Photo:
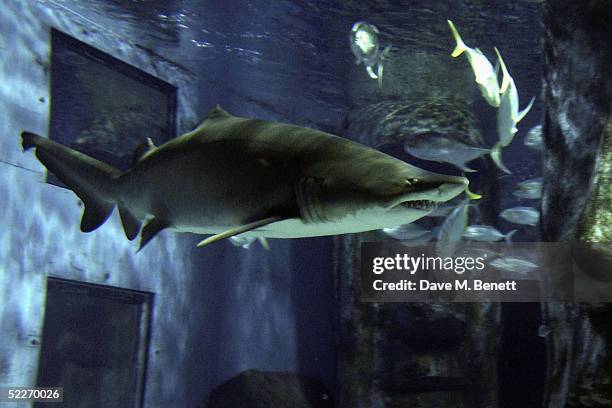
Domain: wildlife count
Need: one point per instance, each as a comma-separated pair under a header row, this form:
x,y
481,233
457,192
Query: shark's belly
x,y
349,224
204,195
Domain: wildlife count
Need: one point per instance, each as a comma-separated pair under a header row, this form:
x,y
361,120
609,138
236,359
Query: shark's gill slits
x,y
307,192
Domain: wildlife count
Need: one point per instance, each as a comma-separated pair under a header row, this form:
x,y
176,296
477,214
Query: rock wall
x,y
578,138
412,354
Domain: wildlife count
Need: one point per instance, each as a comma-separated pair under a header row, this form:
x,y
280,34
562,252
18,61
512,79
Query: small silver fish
x,y
443,149
516,265
534,140
531,189
544,330
246,241
508,114
405,232
420,240
486,233
478,251
242,241
366,48
452,230
442,210
521,215
484,73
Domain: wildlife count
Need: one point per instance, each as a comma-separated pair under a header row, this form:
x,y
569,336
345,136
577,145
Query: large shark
x,y
234,175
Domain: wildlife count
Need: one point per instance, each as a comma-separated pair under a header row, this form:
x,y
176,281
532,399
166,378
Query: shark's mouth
x,y
424,205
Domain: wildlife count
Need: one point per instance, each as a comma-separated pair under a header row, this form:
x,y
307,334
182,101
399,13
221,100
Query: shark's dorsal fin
x,y
217,113
239,230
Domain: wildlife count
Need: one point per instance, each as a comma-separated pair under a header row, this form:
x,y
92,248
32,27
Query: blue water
x,y
227,309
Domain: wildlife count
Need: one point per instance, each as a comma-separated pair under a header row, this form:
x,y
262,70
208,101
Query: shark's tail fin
x,y
496,156
460,47
91,179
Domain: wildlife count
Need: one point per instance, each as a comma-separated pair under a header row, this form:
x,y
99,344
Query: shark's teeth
x,y
424,205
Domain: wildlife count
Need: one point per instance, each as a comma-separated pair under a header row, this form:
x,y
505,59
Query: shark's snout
x,y
450,189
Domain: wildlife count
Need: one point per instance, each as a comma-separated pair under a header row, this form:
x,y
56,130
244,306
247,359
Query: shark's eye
x,y
412,181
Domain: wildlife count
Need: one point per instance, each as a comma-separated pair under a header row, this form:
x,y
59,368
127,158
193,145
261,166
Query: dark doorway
x,y
94,344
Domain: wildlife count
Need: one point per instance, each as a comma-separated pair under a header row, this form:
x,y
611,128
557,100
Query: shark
x,y
235,176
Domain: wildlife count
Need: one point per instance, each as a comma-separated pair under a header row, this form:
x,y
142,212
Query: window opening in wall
x,y
94,344
105,107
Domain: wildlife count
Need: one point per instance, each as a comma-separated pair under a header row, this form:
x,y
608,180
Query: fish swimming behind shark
x,y
364,45
234,175
484,73
508,114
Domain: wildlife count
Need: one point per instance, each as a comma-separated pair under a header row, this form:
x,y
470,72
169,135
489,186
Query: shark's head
x,y
383,193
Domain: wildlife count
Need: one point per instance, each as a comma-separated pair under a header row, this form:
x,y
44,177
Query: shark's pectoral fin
x,y
151,228
239,230
131,224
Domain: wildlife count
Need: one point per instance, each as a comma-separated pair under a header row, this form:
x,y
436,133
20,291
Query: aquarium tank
x,y
306,204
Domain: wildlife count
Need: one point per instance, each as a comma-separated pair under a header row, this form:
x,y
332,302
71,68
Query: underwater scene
x,y
304,204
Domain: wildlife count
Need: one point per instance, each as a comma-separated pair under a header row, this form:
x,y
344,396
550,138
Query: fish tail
x,y
496,156
508,236
371,72
460,47
91,179
471,195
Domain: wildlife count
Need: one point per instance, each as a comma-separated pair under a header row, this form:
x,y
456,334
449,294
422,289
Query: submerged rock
x,y
265,389
386,122
427,335
577,198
